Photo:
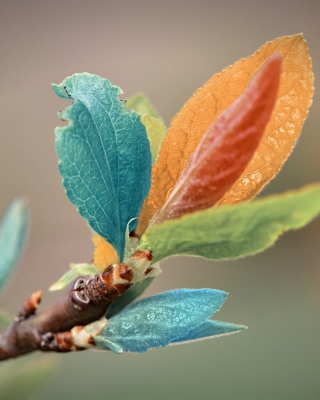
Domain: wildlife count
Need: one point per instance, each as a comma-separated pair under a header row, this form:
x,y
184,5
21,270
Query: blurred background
x,y
167,50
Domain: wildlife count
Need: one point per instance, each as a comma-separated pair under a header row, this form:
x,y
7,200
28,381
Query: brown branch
x,y
84,302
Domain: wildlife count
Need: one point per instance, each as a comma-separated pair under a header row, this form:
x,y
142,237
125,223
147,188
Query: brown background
x,y
166,49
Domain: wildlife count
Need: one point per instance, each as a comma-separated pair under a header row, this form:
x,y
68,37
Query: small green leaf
x,y
104,156
75,271
19,378
131,242
142,105
84,269
128,297
233,230
156,132
12,237
64,281
155,127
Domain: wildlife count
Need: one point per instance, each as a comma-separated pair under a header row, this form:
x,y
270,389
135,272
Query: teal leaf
x,y
104,156
209,329
128,297
13,230
109,345
158,320
233,230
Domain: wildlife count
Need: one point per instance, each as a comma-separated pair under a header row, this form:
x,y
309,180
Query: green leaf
x,y
128,297
104,156
19,378
142,105
156,132
155,127
64,281
158,320
75,271
131,243
233,230
12,237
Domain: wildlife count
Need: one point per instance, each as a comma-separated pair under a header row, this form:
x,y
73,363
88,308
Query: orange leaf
x,y
194,119
104,254
226,148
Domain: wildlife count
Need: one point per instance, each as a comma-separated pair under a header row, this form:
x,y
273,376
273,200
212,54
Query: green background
x,y
166,49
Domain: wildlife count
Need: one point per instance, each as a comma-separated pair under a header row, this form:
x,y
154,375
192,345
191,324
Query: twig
x,y
83,303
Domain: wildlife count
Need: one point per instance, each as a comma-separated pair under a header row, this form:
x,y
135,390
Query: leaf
x,y
156,132
104,156
226,148
155,127
158,320
128,297
233,230
75,271
131,243
142,105
19,378
210,329
291,109
109,345
191,123
13,230
64,281
104,253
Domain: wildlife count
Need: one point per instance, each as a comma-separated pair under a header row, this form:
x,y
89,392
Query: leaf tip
x,y
60,90
20,205
55,287
241,328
